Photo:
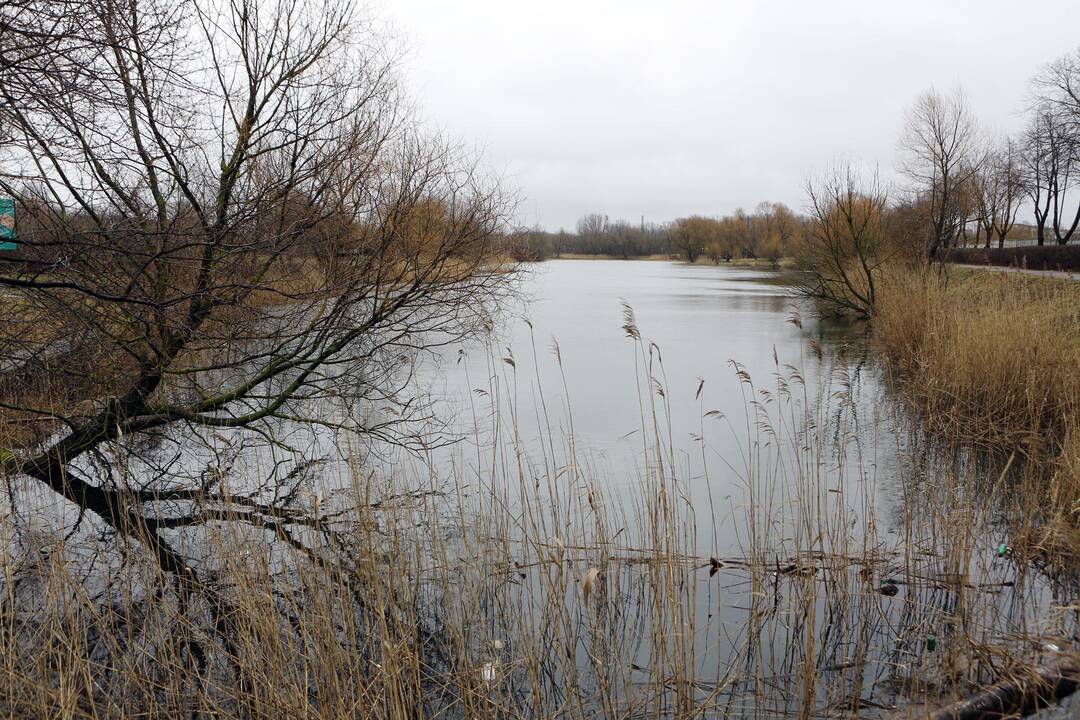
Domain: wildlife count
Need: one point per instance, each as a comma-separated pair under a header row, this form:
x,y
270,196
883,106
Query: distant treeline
x,y
770,231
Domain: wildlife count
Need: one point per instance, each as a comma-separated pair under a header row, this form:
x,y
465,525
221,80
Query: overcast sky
x,y
665,109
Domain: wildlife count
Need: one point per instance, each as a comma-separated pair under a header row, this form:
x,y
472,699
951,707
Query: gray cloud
x,y
666,109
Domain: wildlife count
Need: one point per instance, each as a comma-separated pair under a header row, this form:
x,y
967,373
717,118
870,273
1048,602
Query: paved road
x,y
1043,273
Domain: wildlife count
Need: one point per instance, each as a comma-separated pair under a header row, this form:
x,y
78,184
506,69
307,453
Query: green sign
x,y
7,224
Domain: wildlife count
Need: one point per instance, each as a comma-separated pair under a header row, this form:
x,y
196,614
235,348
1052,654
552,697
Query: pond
x,y
561,368
653,489
830,554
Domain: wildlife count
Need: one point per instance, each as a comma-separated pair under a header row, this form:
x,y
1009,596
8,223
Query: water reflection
x,y
700,318
766,532
856,555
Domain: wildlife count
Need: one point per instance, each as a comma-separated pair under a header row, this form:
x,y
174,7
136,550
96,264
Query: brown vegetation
x,y
227,223
845,244
236,233
769,232
981,363
981,368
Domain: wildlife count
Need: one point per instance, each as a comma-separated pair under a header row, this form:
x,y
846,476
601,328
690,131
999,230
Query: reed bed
x,y
992,358
514,578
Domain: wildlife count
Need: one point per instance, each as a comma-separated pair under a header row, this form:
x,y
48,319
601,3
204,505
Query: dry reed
x,y
529,584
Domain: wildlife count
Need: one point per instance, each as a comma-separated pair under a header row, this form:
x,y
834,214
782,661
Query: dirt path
x,y
1042,273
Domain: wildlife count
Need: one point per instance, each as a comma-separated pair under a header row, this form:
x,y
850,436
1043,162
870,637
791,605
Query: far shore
x,y
761,263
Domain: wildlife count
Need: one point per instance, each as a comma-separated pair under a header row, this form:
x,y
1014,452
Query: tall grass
x,y
990,358
993,359
525,582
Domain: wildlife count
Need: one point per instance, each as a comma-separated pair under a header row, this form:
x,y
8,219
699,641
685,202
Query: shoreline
x,y
760,263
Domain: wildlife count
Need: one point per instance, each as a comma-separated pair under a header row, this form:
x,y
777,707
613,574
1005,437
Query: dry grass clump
x,y
1052,527
991,358
1067,472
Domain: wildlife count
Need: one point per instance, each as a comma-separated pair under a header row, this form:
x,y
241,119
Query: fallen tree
x,y
1020,696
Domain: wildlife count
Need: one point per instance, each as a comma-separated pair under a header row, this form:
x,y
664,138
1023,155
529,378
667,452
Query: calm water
x,y
698,322
701,324
835,426
699,317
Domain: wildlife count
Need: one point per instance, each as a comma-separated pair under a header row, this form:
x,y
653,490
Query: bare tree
x,y
625,237
1046,165
592,225
776,229
1054,147
998,190
227,222
940,157
749,232
691,235
846,241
